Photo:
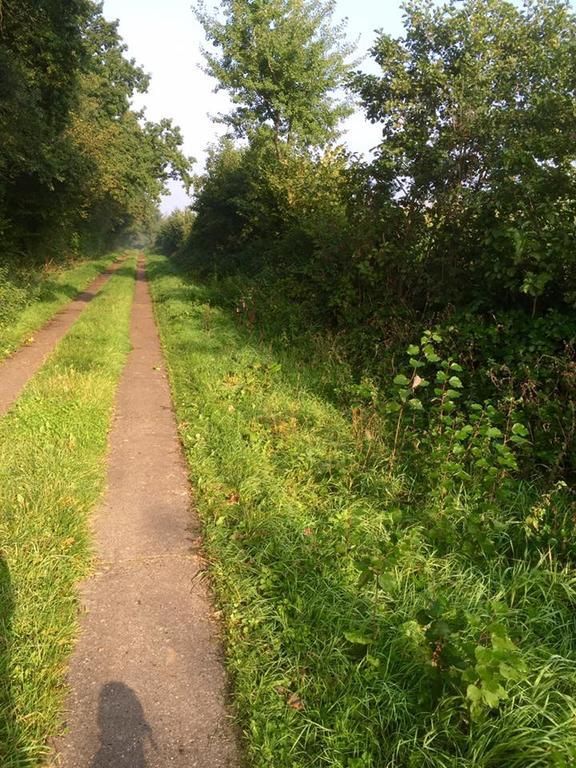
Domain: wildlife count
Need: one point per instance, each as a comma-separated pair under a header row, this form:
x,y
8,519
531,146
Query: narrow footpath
x,y
17,370
148,687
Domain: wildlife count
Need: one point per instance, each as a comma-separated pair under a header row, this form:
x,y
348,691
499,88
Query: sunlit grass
x,y
52,471
293,493
28,300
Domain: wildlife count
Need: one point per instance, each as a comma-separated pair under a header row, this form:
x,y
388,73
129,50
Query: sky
x,y
165,39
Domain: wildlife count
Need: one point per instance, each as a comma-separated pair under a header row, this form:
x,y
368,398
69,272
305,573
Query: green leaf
x,y
510,672
519,429
386,582
404,394
493,698
401,380
430,354
365,577
413,350
357,638
474,694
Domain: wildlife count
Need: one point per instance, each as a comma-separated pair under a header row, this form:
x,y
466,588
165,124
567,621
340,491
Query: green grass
x,y
28,298
297,500
52,471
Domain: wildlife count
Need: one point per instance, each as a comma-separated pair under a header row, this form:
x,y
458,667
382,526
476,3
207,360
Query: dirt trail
x,y
17,370
148,687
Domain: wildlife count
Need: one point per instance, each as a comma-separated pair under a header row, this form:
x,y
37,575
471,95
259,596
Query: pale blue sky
x,y
163,36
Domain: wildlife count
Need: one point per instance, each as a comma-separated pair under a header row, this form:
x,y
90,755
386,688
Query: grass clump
x,y
30,296
52,471
394,590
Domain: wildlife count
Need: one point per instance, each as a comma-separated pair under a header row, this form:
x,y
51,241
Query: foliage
x,y
173,231
463,220
381,422
77,166
281,61
477,117
383,605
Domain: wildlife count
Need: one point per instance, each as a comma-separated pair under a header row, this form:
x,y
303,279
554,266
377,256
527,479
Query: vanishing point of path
x,y
18,369
148,688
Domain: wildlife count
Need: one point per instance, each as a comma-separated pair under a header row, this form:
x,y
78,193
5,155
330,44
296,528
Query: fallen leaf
x,y
295,702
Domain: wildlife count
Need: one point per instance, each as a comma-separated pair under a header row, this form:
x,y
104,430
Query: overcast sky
x,y
165,39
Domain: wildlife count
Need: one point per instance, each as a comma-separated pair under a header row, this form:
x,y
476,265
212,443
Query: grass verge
x,y
29,299
52,471
362,630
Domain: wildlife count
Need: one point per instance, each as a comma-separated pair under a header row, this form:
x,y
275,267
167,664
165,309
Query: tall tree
x,y
476,104
281,61
76,163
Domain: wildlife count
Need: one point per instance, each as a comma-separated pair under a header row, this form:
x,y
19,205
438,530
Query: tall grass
x,y
52,471
358,609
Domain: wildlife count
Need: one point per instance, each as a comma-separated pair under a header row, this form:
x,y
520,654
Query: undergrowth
x,y
396,589
52,470
30,296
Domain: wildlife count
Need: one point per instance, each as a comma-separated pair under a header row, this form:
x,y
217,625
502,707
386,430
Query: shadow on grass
x,y
6,708
297,356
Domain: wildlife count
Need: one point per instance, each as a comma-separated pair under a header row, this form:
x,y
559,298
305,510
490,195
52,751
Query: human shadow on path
x,y
7,729
123,729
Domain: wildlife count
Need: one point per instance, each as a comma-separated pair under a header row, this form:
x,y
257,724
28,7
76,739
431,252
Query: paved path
x,y
17,370
148,685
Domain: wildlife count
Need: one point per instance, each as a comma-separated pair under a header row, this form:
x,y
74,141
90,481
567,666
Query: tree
x,y
77,165
281,62
476,104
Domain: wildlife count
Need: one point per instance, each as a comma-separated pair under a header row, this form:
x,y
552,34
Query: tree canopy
x,y
281,61
77,164
476,104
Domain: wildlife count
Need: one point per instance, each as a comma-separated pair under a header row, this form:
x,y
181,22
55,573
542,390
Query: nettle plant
x,y
467,445
466,653
481,671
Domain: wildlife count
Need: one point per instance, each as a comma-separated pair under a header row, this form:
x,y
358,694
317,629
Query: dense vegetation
x,y
400,518
79,169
